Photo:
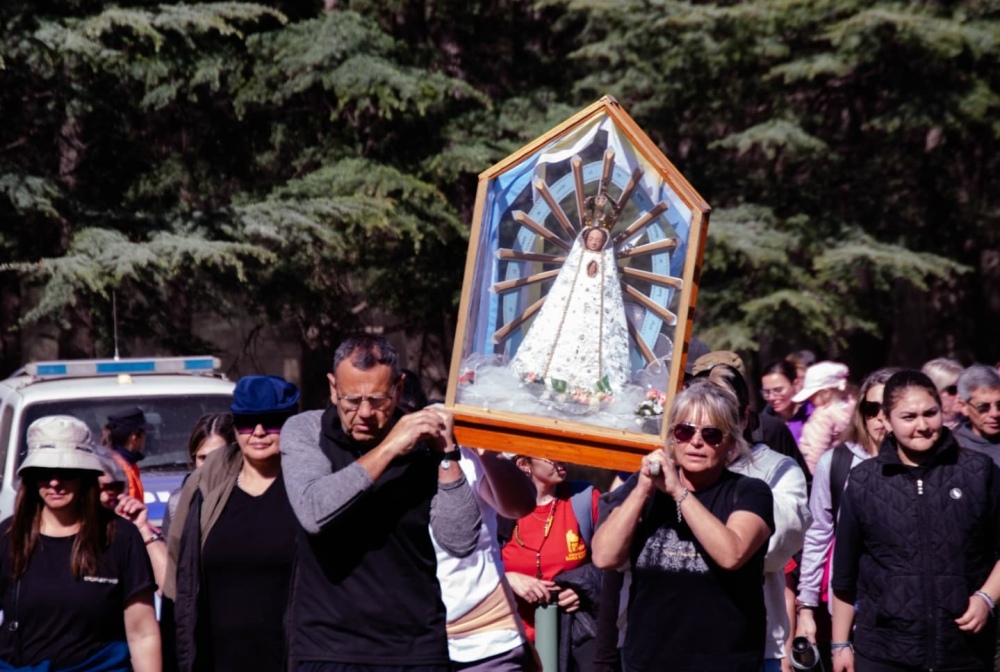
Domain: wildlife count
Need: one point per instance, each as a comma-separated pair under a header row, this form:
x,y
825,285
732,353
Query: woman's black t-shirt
x,y
246,570
685,612
62,619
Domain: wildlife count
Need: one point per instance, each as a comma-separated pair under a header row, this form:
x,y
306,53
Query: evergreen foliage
x,y
320,166
849,149
215,156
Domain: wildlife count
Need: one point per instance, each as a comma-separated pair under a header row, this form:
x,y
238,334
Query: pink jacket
x,y
823,430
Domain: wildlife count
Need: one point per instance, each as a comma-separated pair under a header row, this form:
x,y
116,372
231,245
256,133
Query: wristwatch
x,y
450,456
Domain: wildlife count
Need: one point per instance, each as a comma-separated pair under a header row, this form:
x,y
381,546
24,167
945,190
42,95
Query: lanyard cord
x,y
545,536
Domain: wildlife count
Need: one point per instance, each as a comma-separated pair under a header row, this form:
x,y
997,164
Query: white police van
x,y
173,392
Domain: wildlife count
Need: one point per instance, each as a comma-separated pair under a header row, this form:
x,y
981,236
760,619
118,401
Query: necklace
x,y
545,536
543,517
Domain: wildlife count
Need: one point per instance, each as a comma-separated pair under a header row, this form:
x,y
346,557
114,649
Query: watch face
x,y
580,269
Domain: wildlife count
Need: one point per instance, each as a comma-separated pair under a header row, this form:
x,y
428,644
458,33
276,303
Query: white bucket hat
x,y
823,376
60,442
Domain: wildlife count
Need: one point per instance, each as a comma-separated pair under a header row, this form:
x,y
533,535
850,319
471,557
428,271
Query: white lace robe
x,y
580,335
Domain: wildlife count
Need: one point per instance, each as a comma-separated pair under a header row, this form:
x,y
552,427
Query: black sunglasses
x,y
950,390
713,436
116,488
44,475
985,408
870,409
271,422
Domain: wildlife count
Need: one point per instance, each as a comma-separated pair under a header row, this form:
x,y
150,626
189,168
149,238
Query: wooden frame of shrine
x,y
518,392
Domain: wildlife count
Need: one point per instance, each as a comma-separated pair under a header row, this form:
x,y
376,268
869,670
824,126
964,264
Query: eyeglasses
x,y
773,392
870,409
985,408
713,436
951,390
378,402
551,463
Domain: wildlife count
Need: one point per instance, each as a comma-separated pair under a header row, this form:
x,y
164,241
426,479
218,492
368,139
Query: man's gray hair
x,y
365,351
977,377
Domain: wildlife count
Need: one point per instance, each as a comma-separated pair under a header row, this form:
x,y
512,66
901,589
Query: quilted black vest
x,y
930,540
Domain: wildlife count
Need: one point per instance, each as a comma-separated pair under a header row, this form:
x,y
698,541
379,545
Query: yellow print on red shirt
x,y
576,549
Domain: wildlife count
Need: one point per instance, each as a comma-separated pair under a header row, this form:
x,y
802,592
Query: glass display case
x,y
579,286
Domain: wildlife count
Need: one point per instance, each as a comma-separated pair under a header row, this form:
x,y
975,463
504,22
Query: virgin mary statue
x,y
579,339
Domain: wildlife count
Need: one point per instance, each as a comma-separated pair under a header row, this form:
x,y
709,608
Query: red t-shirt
x,y
563,548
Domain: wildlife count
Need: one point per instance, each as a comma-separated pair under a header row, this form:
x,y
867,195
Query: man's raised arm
x,y
317,494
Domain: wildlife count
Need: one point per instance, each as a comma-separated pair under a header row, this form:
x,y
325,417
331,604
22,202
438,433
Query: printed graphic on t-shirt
x,y
575,548
665,551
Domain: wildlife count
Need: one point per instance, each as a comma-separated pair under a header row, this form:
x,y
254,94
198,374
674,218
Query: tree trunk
x,y
987,304
909,330
10,313
78,341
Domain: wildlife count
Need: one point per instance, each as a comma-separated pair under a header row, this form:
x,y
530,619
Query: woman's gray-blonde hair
x,y
719,405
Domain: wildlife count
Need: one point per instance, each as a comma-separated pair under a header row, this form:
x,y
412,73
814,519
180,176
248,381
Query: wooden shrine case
x,y
579,289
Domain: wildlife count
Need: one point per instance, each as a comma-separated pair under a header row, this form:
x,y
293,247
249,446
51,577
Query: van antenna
x,y
114,318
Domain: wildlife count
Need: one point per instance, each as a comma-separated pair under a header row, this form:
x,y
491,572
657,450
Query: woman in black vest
x,y
916,546
861,442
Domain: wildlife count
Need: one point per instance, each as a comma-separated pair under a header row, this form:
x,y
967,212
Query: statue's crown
x,y
601,210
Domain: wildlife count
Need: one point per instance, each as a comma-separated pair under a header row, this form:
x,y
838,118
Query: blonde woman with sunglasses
x,y
694,535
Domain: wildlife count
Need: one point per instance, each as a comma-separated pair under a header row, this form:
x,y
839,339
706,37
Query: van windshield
x,y
172,418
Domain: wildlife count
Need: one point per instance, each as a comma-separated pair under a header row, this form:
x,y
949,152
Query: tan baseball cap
x,y
706,362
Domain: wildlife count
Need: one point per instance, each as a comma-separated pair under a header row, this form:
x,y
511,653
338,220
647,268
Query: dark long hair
x,y
782,367
210,424
114,436
900,382
97,525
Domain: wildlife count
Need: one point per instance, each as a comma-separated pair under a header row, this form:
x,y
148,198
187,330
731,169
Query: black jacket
x,y
913,545
577,630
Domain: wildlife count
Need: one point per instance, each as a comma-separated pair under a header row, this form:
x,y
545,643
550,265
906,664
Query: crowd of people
x,y
860,520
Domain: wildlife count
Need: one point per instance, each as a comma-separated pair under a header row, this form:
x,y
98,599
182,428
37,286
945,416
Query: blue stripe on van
x,y
51,369
147,366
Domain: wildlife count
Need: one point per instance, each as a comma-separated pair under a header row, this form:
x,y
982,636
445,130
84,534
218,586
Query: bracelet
x,y
987,599
679,500
841,645
158,536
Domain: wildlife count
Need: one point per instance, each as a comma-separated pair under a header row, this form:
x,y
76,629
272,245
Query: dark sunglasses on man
x,y
984,408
